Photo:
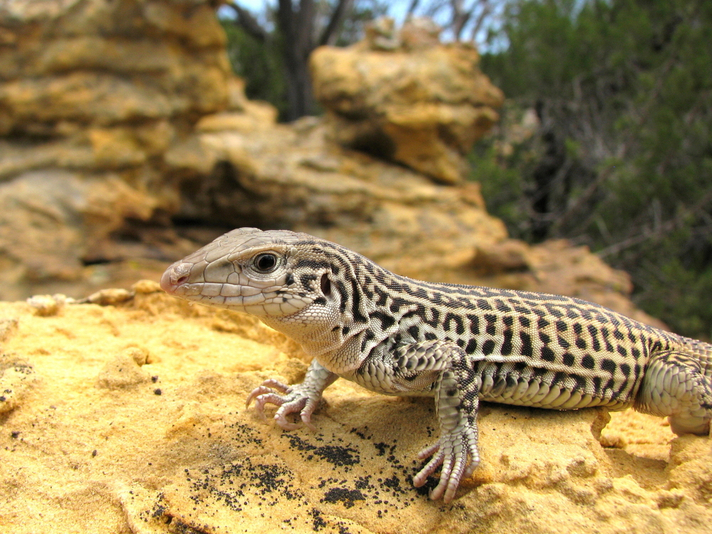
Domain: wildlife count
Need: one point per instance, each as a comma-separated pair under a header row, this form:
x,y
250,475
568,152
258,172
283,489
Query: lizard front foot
x,y
457,452
293,399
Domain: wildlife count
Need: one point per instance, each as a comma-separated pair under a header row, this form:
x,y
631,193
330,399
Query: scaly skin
x,y
457,344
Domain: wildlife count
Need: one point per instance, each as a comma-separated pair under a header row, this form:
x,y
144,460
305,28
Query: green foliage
x,y
500,164
675,287
503,185
259,64
623,89
362,12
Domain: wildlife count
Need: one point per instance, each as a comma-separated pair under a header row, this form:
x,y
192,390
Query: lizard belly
x,y
541,388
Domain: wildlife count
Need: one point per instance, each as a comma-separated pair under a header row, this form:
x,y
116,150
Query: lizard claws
x,y
291,400
266,388
458,456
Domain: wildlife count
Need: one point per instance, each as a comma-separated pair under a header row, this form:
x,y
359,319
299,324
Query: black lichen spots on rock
x,y
344,495
394,488
363,482
159,514
319,522
245,433
179,527
338,455
234,484
159,510
394,484
361,433
389,492
381,448
235,490
269,479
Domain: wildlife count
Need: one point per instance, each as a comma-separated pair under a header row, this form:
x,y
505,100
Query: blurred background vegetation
x,y
606,137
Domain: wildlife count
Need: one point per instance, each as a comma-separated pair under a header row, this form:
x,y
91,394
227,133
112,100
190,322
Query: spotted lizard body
x,y
458,344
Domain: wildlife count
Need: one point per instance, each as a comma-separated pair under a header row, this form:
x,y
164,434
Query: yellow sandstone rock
x,y
131,418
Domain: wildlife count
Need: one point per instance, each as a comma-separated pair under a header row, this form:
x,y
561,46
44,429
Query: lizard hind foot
x,y
458,455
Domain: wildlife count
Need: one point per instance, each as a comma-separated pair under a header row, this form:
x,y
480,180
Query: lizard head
x,y
269,274
301,285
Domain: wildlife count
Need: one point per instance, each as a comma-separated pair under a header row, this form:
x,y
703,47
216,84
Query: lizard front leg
x,y
302,398
442,369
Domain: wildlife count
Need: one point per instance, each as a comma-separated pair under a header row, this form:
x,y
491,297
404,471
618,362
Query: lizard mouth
x,y
182,280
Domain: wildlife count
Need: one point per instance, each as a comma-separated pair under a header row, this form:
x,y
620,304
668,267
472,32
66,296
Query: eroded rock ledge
x,y
131,418
118,118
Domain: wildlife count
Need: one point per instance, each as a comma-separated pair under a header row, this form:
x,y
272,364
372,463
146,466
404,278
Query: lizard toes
x,y
285,409
428,451
450,479
283,423
429,469
276,384
263,394
306,419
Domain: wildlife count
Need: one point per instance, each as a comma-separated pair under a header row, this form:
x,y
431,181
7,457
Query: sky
x,y
396,9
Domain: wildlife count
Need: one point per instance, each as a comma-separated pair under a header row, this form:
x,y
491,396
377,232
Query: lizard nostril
x,y
174,277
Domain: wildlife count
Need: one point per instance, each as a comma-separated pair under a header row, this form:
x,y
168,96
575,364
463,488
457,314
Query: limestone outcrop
x,y
92,94
131,418
116,117
403,96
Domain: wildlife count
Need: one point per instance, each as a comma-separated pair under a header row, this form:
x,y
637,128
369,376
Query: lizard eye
x,y
265,262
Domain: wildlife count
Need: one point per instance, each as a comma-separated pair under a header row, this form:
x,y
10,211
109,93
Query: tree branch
x,y
304,28
412,7
663,228
285,20
460,18
331,32
486,10
249,23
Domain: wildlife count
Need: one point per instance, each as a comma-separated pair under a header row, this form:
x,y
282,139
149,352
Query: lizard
x,y
455,343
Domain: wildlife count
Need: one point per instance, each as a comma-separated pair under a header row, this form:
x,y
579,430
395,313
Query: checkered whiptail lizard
x,y
457,344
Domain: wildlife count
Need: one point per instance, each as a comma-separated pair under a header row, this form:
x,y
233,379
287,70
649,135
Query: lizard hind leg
x,y
456,404
675,386
441,369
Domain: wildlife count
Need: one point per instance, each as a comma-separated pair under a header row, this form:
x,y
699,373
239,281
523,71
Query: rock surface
x,y
117,116
131,418
403,96
92,93
290,177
